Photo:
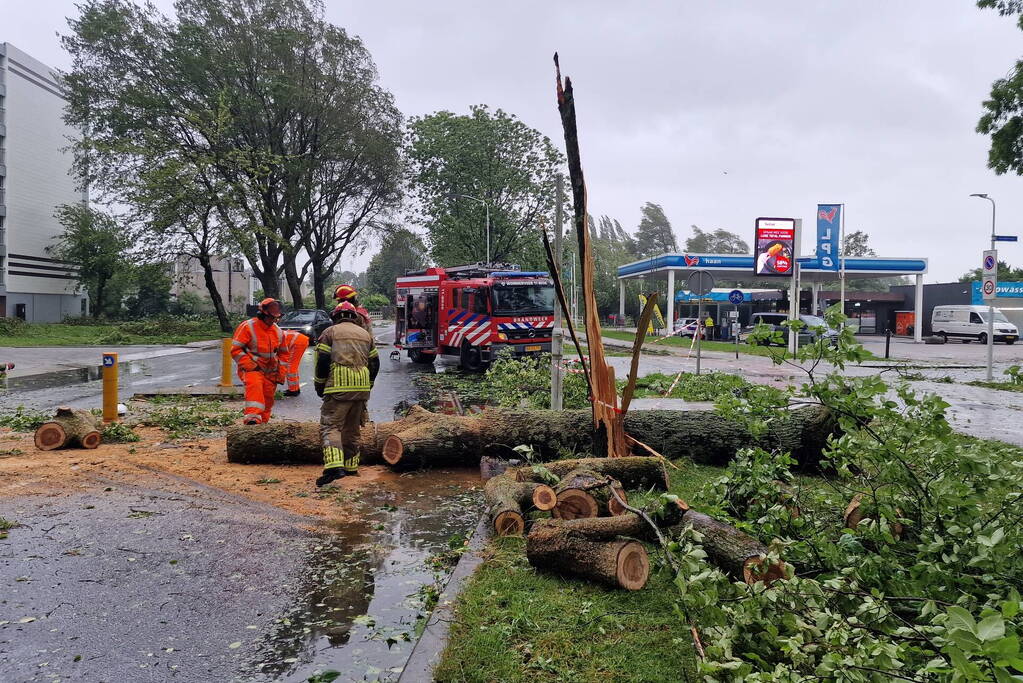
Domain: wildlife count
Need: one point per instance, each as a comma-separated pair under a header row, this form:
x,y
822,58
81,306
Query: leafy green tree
x,y
1003,117
654,235
275,110
97,244
401,250
1006,273
495,158
151,290
719,241
856,244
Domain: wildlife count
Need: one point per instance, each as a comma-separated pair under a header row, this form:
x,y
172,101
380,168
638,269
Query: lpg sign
x,y
829,218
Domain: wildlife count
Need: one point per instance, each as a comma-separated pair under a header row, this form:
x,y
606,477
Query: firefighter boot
x,y
291,392
329,475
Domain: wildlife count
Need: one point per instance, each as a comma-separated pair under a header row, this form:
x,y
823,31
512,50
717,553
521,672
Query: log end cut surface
x,y
575,504
616,507
544,497
91,440
633,566
757,569
509,523
50,436
392,450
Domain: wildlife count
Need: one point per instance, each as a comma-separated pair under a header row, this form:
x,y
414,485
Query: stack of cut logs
x,y
593,534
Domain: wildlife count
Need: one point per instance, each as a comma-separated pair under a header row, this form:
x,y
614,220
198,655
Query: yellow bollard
x,y
225,362
109,387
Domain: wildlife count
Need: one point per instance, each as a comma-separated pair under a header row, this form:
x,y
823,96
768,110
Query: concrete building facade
x,y
35,178
233,281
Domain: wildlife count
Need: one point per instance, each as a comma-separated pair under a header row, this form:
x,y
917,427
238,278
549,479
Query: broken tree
x,y
434,440
67,429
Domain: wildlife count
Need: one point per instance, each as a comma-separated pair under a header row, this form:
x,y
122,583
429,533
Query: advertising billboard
x,y
775,240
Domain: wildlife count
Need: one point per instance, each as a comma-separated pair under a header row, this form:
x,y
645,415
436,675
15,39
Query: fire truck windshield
x,y
523,299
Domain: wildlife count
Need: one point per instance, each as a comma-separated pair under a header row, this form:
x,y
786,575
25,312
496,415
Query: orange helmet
x,y
345,293
270,307
344,311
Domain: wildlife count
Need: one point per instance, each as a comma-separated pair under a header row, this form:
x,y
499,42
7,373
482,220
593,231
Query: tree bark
x,y
619,563
68,428
634,472
735,552
584,493
292,279
211,287
629,524
506,499
425,439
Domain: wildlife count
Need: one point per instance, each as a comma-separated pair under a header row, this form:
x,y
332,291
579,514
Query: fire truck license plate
x,y
537,347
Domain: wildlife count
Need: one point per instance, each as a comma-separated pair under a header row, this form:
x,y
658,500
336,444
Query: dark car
x,y
807,335
310,321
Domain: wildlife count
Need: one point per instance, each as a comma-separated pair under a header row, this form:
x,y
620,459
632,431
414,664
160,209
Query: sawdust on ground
x,y
202,460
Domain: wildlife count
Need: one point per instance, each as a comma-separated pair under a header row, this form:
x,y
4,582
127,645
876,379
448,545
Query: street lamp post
x,y
486,208
990,306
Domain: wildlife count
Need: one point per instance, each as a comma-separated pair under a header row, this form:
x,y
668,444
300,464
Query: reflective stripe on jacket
x,y
257,344
350,348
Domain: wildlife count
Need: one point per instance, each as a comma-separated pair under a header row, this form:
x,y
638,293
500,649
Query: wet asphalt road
x,y
175,581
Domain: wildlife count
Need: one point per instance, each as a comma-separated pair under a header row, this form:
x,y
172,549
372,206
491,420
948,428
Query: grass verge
x,y
60,334
1001,386
706,345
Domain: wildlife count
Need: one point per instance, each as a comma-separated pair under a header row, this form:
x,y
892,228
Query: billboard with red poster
x,y
775,241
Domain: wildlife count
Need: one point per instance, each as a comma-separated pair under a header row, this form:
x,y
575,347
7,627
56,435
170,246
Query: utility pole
x,y
990,305
556,339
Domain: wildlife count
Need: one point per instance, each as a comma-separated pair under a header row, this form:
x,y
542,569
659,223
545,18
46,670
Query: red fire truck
x,y
472,312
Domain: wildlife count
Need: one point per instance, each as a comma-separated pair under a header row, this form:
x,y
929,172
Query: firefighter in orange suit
x,y
295,344
348,293
258,350
346,365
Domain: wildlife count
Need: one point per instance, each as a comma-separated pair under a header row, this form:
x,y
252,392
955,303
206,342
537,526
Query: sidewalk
x,y
37,360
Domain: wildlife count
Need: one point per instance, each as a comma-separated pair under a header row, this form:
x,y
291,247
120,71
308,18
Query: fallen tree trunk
x,y
506,499
619,563
584,493
629,524
435,440
735,552
67,429
634,472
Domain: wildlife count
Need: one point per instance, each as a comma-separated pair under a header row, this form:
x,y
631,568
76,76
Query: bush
x,y
526,382
12,326
22,420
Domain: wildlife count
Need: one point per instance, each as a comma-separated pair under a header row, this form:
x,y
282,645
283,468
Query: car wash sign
x,y
829,218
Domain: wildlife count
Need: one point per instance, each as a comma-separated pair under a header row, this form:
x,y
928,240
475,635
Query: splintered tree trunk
x,y
737,553
506,499
619,563
425,439
633,472
68,428
584,493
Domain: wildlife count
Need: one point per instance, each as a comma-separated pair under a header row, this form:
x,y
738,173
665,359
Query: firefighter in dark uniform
x,y
346,364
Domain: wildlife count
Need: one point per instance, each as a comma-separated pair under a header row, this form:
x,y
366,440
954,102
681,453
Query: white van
x,y
970,322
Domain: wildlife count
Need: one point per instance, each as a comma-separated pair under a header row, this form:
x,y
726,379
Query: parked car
x,y
686,327
970,322
807,335
310,321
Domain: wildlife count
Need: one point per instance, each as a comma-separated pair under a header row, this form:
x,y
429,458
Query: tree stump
x,y
619,563
67,429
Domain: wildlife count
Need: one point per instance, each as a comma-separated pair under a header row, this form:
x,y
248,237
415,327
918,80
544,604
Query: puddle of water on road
x,y
359,606
61,378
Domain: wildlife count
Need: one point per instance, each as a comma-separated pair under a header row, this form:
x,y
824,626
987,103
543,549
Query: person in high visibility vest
x,y
346,364
257,350
348,293
295,344
709,325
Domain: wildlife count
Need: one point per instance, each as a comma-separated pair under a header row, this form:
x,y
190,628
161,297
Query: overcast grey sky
x,y
718,111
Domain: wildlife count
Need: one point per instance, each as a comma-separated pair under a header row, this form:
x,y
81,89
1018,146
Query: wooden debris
x,y
584,493
737,553
69,428
633,472
506,499
619,563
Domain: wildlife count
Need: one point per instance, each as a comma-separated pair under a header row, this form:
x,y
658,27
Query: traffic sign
x,y
989,262
736,297
989,279
1006,238
700,283
109,360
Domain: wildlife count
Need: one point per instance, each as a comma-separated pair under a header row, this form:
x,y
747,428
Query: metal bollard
x,y
110,387
225,362
887,342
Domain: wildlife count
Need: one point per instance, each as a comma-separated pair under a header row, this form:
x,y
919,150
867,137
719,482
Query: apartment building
x,y
232,279
35,178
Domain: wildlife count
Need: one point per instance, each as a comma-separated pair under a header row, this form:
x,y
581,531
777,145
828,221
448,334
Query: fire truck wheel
x,y
417,356
471,358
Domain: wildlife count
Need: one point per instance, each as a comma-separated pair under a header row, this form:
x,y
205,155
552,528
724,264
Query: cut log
x,y
428,439
68,428
634,472
859,509
506,499
628,525
619,563
584,493
735,552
